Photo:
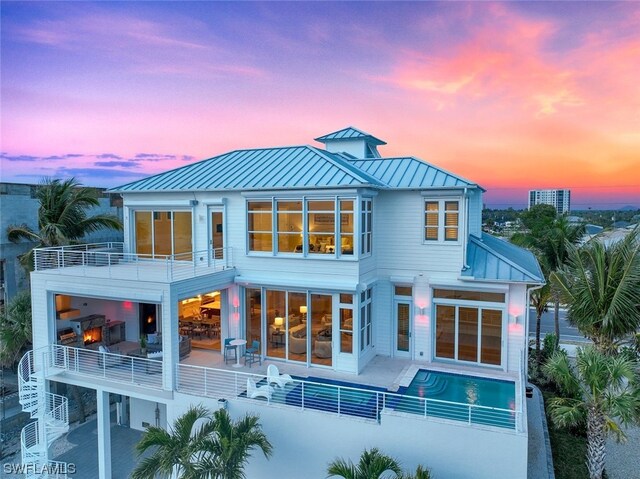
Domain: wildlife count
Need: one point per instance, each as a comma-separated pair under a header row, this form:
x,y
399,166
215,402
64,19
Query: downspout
x,y
465,266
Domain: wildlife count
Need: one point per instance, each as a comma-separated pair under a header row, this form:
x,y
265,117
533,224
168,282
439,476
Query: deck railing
x,y
363,403
109,366
109,260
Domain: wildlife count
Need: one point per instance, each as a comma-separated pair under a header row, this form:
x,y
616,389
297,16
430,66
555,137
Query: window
x,y
366,333
164,233
366,227
441,220
403,291
260,226
290,226
346,227
470,333
321,221
346,323
305,227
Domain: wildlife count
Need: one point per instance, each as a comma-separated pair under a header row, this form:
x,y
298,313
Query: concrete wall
x,y
306,441
141,411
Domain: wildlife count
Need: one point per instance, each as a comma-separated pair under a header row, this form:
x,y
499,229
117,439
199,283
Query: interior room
x,y
199,320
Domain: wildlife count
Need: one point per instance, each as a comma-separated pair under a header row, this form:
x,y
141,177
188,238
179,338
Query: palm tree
x,y
200,445
601,285
62,217
601,391
372,465
421,473
15,329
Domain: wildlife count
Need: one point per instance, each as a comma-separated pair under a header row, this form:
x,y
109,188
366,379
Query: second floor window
x,y
441,220
164,233
366,227
259,225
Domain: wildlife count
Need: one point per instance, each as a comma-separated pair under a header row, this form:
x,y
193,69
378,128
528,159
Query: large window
x,y
309,227
346,323
164,233
260,226
441,220
366,226
468,333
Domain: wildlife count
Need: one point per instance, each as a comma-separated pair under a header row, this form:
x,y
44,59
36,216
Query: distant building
x,y
560,199
18,205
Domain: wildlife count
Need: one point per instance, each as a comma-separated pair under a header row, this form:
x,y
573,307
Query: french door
x,y
403,326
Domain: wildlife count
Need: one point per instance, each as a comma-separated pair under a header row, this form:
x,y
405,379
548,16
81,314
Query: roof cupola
x,y
352,141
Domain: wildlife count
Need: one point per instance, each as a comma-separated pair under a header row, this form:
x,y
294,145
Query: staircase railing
x,y
51,414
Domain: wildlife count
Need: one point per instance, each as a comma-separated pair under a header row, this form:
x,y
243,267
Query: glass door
x,y
402,313
321,336
216,242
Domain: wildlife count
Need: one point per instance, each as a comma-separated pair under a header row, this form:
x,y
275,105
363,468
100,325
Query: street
x,y
567,332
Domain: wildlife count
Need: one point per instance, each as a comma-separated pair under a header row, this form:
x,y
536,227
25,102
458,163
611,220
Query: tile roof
x,y
267,168
493,259
350,133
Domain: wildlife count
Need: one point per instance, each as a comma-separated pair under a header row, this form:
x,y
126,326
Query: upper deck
x,y
109,260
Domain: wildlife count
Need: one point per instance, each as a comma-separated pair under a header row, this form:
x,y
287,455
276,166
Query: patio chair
x,y
274,377
252,354
228,348
254,391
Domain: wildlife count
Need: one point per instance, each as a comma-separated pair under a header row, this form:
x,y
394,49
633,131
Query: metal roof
x,y
267,168
350,133
492,259
409,172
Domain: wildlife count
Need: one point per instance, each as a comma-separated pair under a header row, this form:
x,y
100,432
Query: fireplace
x,y
93,335
90,329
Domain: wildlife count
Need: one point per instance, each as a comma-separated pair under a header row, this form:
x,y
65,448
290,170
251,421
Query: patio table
x,y
238,343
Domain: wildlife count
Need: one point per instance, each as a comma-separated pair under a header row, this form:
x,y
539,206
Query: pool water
x,y
437,387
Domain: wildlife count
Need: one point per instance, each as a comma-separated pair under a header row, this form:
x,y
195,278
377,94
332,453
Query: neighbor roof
x,y
409,172
267,168
350,133
492,259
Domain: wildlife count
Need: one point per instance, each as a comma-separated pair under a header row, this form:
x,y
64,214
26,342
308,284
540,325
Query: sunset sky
x,y
513,96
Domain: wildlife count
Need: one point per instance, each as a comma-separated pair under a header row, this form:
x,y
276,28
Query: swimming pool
x,y
432,393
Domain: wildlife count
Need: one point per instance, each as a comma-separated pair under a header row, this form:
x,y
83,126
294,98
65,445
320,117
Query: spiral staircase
x,y
51,414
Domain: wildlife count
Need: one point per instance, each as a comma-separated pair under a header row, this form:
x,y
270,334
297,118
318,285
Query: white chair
x,y
274,377
254,391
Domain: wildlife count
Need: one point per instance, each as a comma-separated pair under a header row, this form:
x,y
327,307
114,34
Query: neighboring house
x,y
18,205
352,272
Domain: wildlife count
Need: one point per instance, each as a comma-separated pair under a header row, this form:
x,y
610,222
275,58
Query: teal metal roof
x,y
409,172
492,259
268,168
350,133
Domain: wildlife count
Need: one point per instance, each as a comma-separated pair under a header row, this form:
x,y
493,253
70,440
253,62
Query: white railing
x,y
108,260
521,391
109,366
340,400
51,412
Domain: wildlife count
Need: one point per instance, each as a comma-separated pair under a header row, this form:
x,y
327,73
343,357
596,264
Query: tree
x,y
548,236
372,465
601,391
200,445
421,473
15,329
62,217
601,285
539,299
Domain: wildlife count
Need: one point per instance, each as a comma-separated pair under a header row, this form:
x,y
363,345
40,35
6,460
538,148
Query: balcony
x,y
109,260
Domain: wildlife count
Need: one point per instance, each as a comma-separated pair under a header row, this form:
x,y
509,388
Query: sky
x,y
513,96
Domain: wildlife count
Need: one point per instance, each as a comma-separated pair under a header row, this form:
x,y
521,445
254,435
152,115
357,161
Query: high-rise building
x,y
560,199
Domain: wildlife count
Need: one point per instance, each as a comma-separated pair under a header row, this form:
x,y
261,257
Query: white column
x,y
104,434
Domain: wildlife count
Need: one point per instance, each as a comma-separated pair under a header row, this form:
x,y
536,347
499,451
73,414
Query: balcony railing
x,y
362,403
108,260
108,366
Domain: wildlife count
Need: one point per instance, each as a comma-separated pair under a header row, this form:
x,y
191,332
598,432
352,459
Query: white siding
x,y
517,341
475,212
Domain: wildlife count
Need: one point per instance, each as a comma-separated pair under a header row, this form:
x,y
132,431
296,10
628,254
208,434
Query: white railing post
x,y
339,400
425,407
302,397
469,415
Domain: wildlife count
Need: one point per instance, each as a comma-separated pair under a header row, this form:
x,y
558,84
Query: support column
x,y
104,435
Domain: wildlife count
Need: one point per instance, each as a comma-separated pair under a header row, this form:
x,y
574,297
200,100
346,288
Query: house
x,y
366,278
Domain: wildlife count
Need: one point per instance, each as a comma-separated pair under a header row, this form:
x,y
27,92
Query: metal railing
x,y
109,366
109,260
346,401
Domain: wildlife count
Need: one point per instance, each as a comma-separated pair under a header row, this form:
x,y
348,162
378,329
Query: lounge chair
x,y
254,391
274,377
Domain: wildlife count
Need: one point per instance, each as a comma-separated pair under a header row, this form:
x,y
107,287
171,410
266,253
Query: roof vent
x,y
352,141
